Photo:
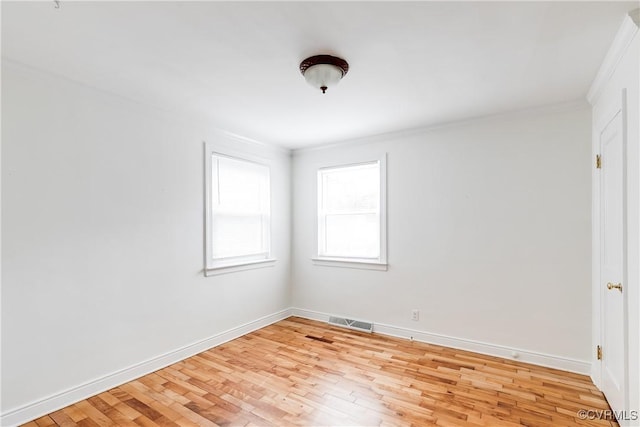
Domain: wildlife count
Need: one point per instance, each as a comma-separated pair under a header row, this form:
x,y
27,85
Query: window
x,y
351,215
238,212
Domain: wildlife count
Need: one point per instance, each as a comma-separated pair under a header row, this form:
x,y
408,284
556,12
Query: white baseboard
x,y
541,359
64,398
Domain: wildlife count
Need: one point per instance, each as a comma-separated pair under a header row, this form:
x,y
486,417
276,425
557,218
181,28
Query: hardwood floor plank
x,y
191,416
93,414
75,413
88,422
61,419
45,421
300,372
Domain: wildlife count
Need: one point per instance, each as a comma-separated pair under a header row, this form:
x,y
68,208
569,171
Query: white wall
x,y
103,237
488,233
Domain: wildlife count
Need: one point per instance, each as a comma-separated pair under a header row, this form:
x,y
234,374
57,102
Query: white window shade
x,y
352,235
240,207
238,212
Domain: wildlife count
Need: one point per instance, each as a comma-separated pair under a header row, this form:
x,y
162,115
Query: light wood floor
x,y
305,373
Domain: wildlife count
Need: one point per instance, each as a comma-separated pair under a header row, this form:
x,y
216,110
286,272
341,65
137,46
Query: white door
x,y
612,263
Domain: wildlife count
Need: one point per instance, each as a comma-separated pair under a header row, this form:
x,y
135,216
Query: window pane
x,y
237,235
242,186
350,189
352,236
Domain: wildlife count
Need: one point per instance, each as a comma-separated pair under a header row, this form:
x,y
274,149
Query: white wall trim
x,y
253,142
341,263
67,397
385,136
621,42
526,356
243,266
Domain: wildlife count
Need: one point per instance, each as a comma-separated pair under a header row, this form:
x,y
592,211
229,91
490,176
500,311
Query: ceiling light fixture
x,y
323,71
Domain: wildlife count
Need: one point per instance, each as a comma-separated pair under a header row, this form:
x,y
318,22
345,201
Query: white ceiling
x,y
412,64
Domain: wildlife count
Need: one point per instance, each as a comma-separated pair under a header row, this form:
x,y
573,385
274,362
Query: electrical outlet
x,y
415,314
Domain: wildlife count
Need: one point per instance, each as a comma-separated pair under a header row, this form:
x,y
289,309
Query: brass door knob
x,y
617,286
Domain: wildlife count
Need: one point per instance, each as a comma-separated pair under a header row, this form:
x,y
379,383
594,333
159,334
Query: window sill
x,y
240,266
350,263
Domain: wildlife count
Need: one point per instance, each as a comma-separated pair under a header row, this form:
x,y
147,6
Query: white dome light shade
x,y
323,71
323,76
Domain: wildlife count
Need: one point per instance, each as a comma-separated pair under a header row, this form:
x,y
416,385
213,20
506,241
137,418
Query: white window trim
x,y
240,263
245,265
359,263
350,263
